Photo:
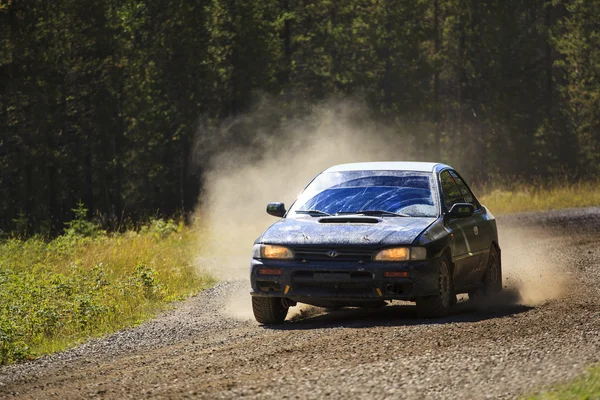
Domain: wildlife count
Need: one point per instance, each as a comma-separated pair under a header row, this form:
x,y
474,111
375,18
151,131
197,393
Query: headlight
x,y
401,254
272,251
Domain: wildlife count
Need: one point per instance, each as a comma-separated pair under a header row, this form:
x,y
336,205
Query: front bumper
x,y
311,282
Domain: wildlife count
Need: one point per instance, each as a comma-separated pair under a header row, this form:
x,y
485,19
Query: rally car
x,y
363,234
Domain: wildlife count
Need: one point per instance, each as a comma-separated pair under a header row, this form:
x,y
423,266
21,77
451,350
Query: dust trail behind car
x,y
537,275
274,166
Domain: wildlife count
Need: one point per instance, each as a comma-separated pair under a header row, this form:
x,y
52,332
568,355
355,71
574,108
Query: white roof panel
x,y
385,166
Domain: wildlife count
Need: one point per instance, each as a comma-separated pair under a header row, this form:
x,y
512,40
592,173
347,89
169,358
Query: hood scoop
x,y
343,219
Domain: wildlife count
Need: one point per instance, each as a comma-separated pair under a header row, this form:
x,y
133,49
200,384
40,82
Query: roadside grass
x,y
85,283
542,197
586,386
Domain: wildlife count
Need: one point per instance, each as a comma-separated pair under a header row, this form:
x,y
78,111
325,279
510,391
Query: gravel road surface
x,y
544,329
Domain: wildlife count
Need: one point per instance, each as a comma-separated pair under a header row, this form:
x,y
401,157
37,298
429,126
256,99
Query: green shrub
x,y
80,226
161,228
58,293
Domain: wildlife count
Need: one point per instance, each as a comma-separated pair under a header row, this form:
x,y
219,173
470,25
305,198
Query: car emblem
x,y
333,253
476,230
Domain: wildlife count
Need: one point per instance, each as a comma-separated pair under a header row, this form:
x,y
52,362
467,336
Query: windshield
x,y
404,193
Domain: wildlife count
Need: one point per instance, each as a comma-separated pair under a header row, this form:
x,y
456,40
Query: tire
x,y
492,279
438,305
269,310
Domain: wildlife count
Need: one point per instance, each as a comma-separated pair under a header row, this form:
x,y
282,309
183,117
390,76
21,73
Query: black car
x,y
365,233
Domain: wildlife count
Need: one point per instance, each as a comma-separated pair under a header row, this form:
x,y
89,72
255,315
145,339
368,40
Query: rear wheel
x,y
269,310
492,280
438,305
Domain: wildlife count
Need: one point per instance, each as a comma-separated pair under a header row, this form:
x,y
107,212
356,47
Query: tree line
x,y
100,101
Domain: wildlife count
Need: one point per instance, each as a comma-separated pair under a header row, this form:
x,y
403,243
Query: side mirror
x,y
461,210
276,209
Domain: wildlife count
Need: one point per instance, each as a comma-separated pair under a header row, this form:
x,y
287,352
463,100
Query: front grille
x,y
332,254
333,280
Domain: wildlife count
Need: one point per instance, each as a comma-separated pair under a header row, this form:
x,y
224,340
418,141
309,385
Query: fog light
x,y
395,274
270,271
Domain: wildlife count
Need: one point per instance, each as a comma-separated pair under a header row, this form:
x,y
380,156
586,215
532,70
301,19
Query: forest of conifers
x,y
101,101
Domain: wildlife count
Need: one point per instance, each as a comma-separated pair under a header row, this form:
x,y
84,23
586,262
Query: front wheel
x,y
439,304
269,310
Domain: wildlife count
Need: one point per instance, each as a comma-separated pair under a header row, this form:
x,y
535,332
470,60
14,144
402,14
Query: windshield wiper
x,y
376,212
313,213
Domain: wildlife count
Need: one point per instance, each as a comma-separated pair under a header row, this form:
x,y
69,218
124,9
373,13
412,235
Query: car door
x,y
482,228
463,231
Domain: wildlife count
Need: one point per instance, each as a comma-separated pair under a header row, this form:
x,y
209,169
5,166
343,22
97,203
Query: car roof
x,y
389,166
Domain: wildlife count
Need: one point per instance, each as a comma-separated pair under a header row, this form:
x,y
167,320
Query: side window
x,y
466,193
450,191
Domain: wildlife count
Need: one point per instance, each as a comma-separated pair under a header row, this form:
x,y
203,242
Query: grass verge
x,y
55,294
541,197
586,386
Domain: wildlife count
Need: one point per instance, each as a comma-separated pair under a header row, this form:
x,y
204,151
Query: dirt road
x,y
512,347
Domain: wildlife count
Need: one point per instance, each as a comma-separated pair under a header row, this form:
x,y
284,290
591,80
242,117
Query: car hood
x,y
390,231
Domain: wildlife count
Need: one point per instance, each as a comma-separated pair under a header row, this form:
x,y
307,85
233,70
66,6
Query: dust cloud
x,y
531,264
274,164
